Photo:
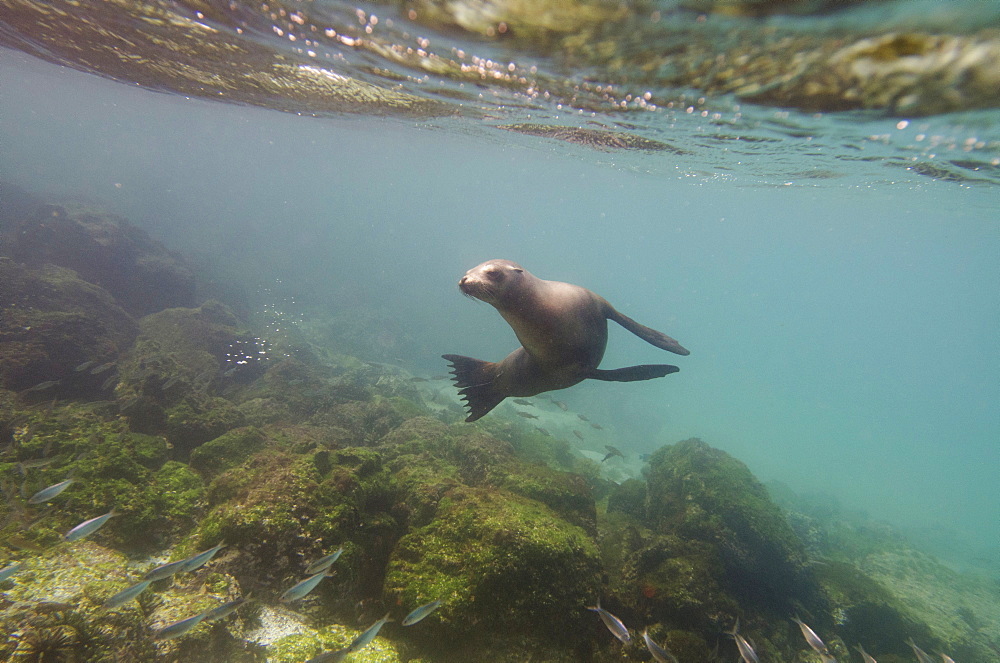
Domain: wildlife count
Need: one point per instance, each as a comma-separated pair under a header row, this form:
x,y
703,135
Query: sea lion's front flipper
x,y
648,334
475,379
633,373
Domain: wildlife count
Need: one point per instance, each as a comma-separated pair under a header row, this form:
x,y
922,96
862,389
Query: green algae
x,y
496,560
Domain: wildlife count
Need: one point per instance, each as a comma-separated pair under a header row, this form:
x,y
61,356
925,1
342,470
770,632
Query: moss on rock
x,y
500,563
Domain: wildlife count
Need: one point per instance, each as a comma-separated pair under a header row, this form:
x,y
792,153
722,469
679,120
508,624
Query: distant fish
x,y
614,624
46,494
612,452
84,366
660,654
323,563
746,651
865,656
543,431
582,418
812,639
596,426
301,589
418,379
9,570
578,434
169,382
26,465
562,406
331,656
365,638
88,527
165,570
224,610
103,368
420,613
127,594
946,659
921,655
440,377
202,558
43,386
527,415
523,401
178,629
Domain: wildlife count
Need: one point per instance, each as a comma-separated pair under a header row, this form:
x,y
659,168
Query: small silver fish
x,y
562,406
527,415
84,366
43,386
323,563
746,651
365,638
202,558
301,589
178,629
331,656
865,655
127,594
46,494
921,655
578,434
614,624
420,613
946,659
660,654
88,527
543,431
165,570
224,610
582,418
523,401
812,639
9,570
97,370
612,452
596,426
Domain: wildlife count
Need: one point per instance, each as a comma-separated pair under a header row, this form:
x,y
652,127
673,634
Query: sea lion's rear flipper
x,y
633,373
648,334
475,379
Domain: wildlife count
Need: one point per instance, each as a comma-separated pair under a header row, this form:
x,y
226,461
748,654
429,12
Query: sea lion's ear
x,y
519,270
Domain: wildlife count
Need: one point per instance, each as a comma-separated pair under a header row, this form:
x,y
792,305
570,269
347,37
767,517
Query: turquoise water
x,y
843,330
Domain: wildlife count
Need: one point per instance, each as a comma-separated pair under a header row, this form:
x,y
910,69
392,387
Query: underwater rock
x,y
168,379
911,74
108,251
51,321
53,611
502,564
537,23
704,494
758,8
155,499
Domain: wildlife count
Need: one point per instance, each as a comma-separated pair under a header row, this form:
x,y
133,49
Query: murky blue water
x,y
841,314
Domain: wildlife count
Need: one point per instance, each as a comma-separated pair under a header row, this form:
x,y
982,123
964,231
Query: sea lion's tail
x,y
476,382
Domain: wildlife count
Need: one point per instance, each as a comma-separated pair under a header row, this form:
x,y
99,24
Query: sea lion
x,y
563,331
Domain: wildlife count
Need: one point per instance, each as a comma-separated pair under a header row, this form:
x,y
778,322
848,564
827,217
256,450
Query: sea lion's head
x,y
492,281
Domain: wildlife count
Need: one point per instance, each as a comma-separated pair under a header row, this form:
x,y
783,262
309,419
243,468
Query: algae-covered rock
x,y
501,564
181,358
704,494
108,251
112,467
51,322
52,611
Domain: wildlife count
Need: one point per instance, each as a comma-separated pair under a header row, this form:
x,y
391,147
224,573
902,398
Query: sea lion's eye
x,y
494,274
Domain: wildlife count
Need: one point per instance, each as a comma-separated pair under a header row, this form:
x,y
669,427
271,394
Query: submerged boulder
x,y
502,564
703,494
52,323
108,251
